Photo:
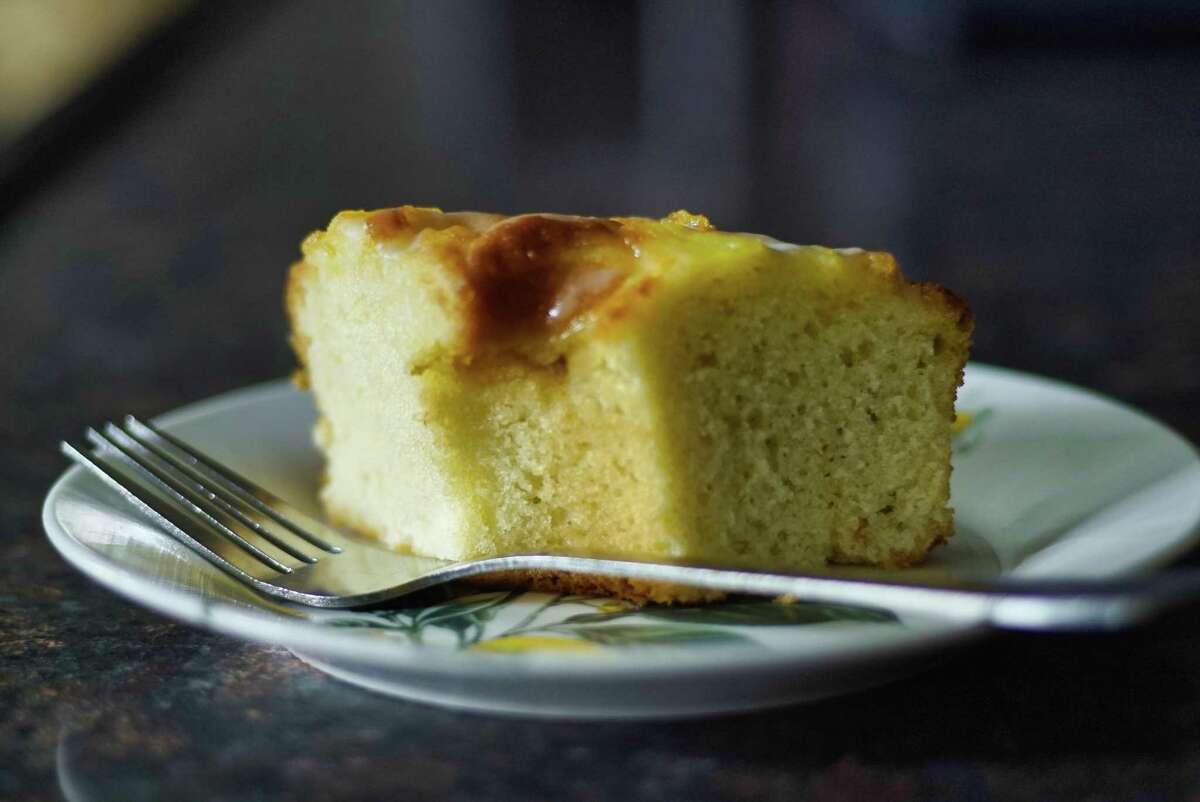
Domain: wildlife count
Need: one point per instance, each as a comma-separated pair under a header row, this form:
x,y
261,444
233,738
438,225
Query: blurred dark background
x,y
1041,160
161,160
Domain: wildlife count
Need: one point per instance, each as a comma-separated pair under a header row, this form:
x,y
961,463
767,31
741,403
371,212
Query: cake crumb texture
x,y
626,387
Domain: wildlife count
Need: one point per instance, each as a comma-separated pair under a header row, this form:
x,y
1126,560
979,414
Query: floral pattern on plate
x,y
517,622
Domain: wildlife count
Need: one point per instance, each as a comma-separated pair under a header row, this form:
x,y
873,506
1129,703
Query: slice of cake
x,y
626,387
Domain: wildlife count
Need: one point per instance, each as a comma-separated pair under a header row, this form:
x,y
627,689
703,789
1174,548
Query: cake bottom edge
x,y
636,591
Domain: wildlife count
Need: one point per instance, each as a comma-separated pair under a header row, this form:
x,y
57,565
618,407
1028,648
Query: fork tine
x,y
215,495
250,493
204,542
173,490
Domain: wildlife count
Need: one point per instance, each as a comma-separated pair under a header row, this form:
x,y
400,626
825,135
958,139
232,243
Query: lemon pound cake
x,y
626,387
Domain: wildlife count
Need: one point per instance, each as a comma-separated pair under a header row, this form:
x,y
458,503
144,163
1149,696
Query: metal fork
x,y
268,544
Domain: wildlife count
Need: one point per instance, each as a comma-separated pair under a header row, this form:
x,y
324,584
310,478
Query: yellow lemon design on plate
x,y
534,643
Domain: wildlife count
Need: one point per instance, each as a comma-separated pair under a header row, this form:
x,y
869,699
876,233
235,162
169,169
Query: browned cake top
x,y
529,277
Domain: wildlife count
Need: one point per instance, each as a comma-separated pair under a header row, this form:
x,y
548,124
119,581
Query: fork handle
x,y
1015,604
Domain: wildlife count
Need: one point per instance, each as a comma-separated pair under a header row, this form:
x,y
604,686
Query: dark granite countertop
x,y
1056,190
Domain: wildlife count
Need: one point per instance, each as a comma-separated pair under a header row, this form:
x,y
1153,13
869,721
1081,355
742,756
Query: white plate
x,y
1048,480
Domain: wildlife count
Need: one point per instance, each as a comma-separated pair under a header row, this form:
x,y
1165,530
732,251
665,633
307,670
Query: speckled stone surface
x,y
104,701
1057,194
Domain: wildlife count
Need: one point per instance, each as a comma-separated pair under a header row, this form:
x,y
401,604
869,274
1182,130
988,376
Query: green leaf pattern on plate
x,y
512,621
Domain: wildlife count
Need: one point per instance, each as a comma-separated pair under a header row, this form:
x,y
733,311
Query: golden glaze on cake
x,y
531,275
628,387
